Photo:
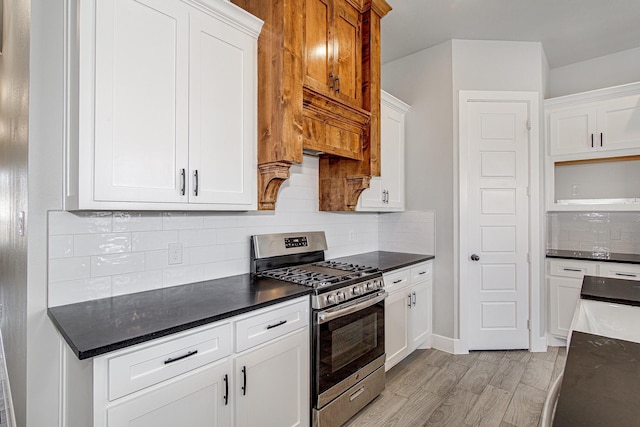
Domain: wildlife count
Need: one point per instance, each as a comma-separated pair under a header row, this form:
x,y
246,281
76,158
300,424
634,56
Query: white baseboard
x,y
450,345
553,341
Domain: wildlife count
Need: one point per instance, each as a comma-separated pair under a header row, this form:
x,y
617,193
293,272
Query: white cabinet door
x,y
573,130
564,294
196,399
619,123
272,383
419,314
222,113
386,193
141,101
396,332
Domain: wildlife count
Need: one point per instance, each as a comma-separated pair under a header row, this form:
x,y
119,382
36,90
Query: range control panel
x,y
295,242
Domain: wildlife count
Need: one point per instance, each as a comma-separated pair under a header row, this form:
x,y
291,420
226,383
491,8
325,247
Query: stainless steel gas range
x,y
348,320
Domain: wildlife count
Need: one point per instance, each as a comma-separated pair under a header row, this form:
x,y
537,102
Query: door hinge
x,y
528,125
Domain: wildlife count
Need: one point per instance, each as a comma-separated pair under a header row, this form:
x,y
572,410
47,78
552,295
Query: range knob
x,y
340,296
380,283
370,285
331,299
356,290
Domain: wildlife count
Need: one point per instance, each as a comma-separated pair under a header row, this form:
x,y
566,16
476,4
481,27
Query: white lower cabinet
x,y
196,379
407,311
272,383
564,278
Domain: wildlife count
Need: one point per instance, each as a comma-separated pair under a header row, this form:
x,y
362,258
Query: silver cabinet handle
x,y
409,296
414,299
359,304
183,183
195,188
356,394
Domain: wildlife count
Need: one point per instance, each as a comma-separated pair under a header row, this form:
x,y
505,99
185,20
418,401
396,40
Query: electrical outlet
x,y
175,253
615,233
352,236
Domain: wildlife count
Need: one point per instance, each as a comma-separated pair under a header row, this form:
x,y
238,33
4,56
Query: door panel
x,y
141,100
318,47
221,147
498,225
348,54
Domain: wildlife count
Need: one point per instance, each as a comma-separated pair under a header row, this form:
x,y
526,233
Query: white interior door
x,y
498,220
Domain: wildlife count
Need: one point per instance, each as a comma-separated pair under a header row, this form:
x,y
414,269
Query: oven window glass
x,y
346,344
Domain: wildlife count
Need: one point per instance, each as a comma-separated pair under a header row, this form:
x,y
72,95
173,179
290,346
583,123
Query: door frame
x,y
537,334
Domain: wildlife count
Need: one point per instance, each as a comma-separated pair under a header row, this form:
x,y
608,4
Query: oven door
x,y
346,339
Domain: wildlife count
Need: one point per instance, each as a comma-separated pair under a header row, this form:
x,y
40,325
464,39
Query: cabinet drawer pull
x,y
244,380
413,298
226,389
184,356
337,84
409,296
280,323
591,140
396,281
421,273
356,394
331,81
600,139
577,270
195,188
626,275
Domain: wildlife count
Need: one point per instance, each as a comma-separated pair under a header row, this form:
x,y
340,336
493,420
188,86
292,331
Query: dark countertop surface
x,y
608,289
601,383
386,261
589,256
92,328
95,327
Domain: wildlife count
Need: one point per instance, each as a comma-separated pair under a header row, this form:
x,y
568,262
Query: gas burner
x,y
301,276
344,266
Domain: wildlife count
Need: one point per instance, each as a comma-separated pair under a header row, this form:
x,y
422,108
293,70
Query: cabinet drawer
x,y
142,367
421,272
396,279
569,268
271,323
620,271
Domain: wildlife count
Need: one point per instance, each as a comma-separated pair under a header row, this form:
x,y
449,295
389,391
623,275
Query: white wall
x,y
430,81
423,80
605,71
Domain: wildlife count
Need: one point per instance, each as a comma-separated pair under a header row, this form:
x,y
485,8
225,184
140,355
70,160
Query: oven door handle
x,y
328,315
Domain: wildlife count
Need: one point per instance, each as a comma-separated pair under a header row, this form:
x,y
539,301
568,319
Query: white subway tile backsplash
x,y
152,240
83,265
66,269
182,221
76,223
99,244
111,265
70,292
136,282
136,221
60,246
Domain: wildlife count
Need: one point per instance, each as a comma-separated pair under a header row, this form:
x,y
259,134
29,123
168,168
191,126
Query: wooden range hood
x,y
319,90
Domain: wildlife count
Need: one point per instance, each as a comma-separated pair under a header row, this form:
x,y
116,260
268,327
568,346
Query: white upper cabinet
x,y
595,123
166,106
386,192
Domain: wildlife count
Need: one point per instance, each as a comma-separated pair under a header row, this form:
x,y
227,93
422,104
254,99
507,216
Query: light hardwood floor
x,y
483,388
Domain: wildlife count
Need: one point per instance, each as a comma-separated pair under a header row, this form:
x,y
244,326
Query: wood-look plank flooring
x,y
483,388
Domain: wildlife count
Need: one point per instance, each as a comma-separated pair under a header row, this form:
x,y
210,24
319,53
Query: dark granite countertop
x,y
95,327
608,289
589,256
386,261
601,383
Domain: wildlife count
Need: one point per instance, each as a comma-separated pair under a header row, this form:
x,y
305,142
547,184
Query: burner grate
x,y
300,276
344,266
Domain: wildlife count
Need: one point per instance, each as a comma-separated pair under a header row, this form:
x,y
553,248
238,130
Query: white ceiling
x,y
570,30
